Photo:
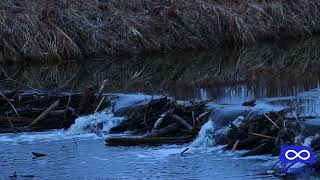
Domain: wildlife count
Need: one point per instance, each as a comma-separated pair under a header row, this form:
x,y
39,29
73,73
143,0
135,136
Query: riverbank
x,y
62,30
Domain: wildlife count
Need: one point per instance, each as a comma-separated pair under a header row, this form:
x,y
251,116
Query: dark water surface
x,y
279,75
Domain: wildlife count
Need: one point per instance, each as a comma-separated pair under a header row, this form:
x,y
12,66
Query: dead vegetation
x,y
56,30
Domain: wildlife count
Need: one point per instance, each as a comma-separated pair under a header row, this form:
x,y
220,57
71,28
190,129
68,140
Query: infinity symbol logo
x,y
294,153
297,154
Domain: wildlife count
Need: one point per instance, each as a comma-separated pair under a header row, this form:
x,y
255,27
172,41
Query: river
x,y
78,154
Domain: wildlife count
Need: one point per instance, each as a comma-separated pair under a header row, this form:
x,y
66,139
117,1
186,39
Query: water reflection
x,y
268,70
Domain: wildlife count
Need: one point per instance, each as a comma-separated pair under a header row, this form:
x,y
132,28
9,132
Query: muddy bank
x,y
62,30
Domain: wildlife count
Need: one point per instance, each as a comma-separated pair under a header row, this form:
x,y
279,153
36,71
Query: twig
x,y
8,100
262,135
8,78
271,120
101,88
184,151
103,98
235,146
13,128
275,164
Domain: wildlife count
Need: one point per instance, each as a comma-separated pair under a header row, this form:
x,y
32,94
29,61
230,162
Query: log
x,y
181,121
57,112
165,130
45,113
136,141
161,118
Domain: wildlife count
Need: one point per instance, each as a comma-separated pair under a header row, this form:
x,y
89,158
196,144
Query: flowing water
x,y
80,152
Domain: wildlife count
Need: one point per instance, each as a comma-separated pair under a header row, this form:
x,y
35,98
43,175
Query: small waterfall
x,y
95,123
217,126
206,136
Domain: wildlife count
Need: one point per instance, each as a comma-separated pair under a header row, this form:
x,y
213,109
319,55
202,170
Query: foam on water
x,y
84,127
103,120
36,137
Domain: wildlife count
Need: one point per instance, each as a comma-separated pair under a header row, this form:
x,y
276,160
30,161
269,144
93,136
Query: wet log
x,y
161,118
138,141
45,113
168,129
57,112
181,121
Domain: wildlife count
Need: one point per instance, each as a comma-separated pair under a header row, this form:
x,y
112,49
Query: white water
x,y
93,123
130,100
205,137
84,127
223,116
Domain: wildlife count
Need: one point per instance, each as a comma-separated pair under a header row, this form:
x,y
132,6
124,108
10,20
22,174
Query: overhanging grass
x,y
56,30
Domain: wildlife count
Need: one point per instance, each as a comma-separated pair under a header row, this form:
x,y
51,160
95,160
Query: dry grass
x,y
57,30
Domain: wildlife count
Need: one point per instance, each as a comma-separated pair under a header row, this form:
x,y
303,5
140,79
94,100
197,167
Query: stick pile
x,y
161,121
38,111
262,134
